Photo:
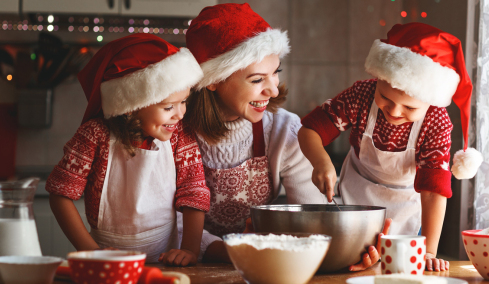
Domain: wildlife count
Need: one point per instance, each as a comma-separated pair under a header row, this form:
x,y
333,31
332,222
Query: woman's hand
x,y
436,264
324,178
178,257
372,256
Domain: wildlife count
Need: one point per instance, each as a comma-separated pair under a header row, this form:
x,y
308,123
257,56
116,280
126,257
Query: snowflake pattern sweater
x,y
351,108
84,164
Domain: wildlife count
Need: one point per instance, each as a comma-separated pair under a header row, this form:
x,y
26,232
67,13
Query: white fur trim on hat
x,y
465,164
415,74
272,41
150,85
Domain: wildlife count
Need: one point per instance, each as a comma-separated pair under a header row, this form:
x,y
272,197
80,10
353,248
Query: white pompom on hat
x,y
428,64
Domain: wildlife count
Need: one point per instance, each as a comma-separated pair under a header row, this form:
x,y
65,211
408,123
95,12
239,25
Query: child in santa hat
x,y
400,133
131,157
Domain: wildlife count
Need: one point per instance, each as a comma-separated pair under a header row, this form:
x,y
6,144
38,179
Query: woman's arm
x,y
433,206
71,223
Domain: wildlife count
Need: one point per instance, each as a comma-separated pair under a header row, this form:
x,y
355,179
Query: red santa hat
x,y
226,38
428,64
134,72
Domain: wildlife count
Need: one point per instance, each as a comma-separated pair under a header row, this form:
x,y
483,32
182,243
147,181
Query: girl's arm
x,y
433,207
71,223
193,226
324,173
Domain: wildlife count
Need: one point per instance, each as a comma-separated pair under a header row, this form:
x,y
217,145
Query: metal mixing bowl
x,y
352,229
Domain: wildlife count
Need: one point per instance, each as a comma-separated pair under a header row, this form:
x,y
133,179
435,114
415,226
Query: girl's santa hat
x,y
428,64
226,38
134,72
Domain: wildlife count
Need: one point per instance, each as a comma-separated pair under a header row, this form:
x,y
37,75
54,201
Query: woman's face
x,y
397,106
246,93
159,120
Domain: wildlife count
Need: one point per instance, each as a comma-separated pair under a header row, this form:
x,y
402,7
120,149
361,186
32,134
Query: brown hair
x,y
204,117
127,130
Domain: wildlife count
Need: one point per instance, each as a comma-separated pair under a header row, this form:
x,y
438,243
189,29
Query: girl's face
x,y
397,106
246,93
159,120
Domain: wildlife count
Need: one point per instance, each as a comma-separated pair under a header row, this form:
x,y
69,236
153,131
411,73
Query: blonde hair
x,y
205,118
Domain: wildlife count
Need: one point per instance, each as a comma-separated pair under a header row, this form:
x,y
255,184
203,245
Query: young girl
x,y
132,157
400,134
249,144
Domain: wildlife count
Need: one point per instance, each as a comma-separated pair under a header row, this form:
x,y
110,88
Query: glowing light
x,y
100,38
101,29
185,31
86,20
189,22
424,15
116,29
146,22
80,29
33,56
4,26
86,28
34,27
176,31
40,19
50,28
95,20
50,18
156,30
95,29
24,27
9,77
29,27
131,21
71,19
84,50
382,22
145,30
403,14
71,28
25,22
131,30
121,29
101,20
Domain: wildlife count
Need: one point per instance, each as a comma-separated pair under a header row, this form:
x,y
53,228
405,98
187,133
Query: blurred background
x,y
44,43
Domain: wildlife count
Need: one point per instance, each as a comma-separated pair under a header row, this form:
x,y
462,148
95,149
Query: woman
x,y
249,145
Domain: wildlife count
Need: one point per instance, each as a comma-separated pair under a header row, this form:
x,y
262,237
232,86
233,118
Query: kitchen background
x,y
330,40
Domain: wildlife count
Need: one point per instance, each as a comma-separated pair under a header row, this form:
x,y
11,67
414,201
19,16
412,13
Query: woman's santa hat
x,y
226,38
134,72
428,64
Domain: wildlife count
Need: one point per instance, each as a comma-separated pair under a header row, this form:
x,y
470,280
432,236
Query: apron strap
x,y
258,139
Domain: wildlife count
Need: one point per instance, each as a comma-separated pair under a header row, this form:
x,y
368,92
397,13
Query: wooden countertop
x,y
225,273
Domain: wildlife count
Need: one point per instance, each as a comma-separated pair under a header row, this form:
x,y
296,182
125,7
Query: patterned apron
x,y
234,190
382,178
136,206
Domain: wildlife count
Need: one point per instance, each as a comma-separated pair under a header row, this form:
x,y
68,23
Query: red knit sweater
x,y
351,108
84,164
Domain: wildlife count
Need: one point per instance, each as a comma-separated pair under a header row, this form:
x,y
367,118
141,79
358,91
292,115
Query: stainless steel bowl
x,y
352,229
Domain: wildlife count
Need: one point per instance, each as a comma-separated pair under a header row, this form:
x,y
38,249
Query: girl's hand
x,y
178,257
372,256
436,264
324,178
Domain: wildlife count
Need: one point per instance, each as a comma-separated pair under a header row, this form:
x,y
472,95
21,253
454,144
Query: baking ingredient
x,y
277,258
408,279
19,237
484,232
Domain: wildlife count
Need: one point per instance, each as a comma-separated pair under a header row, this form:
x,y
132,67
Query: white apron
x,y
136,206
381,178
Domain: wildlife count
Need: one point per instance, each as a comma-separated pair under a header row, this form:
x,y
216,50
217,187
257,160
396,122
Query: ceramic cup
x,y
403,254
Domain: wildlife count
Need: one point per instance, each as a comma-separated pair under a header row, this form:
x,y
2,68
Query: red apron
x,y
234,190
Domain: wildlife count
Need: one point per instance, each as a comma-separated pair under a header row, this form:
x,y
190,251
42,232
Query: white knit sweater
x,y
288,165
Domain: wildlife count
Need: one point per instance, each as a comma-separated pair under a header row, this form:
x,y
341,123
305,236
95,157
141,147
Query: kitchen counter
x,y
225,273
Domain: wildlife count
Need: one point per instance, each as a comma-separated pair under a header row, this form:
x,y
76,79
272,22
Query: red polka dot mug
x,y
403,254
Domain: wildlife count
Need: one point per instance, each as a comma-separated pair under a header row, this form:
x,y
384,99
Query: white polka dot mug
x,y
477,247
403,254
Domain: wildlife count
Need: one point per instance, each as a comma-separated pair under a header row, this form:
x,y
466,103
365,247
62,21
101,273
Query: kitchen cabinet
x,y
182,8
71,6
158,8
9,6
